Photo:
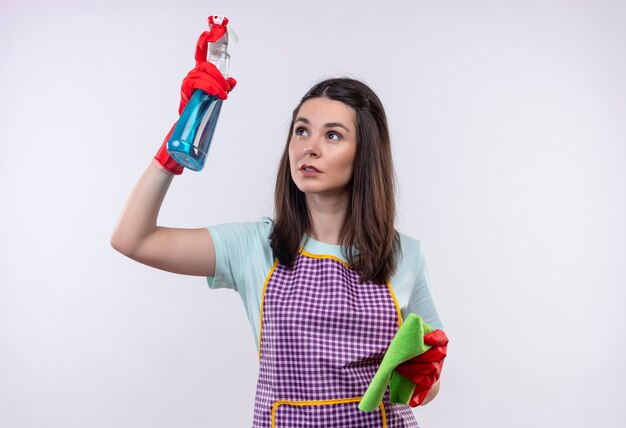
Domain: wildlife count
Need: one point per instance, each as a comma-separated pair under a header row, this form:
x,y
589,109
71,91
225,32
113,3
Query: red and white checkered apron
x,y
323,336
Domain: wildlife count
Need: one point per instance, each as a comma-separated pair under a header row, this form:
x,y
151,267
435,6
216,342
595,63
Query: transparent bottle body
x,y
191,139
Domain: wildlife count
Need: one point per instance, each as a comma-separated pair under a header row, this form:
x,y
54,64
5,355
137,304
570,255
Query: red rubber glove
x,y
207,77
425,369
203,76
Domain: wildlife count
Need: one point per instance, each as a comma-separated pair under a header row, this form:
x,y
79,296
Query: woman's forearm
x,y
431,394
139,216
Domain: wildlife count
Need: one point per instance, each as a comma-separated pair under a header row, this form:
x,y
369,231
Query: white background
x,y
509,138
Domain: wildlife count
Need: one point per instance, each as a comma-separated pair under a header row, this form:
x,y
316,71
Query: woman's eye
x,y
301,131
334,136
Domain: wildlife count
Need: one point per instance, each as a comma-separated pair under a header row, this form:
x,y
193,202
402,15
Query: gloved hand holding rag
x,y
411,365
425,369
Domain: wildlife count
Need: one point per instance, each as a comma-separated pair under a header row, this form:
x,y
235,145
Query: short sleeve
x,y
421,299
235,245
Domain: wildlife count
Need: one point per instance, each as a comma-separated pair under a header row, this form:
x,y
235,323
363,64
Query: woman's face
x,y
322,147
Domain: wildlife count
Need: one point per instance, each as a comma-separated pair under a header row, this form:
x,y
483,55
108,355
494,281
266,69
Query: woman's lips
x,y
309,170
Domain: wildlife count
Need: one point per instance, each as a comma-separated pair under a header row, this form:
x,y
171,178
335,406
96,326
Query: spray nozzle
x,y
218,38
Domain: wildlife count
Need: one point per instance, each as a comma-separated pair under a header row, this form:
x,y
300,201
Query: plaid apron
x,y
323,336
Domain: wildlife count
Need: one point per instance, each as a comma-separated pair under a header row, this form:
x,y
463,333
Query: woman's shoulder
x,y
243,231
409,244
411,252
263,226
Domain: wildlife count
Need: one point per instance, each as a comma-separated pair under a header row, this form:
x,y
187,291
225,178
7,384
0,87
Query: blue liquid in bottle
x,y
190,141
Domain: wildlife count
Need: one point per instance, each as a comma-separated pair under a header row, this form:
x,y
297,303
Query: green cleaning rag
x,y
406,344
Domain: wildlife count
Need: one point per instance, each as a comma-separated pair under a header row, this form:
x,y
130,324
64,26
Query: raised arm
x,y
136,235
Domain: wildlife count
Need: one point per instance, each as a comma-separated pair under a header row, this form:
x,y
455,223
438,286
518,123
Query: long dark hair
x,y
369,225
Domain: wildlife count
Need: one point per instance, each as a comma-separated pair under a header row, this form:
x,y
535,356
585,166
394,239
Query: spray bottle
x,y
191,138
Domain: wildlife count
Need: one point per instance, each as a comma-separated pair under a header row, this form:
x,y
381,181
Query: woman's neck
x,y
327,216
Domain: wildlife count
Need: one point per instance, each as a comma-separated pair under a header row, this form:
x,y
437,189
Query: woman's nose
x,y
310,152
312,148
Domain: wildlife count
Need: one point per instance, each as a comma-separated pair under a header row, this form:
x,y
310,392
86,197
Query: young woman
x,y
327,282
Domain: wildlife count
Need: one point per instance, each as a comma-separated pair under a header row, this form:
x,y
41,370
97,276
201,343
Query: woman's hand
x,y
204,76
425,369
207,77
